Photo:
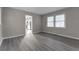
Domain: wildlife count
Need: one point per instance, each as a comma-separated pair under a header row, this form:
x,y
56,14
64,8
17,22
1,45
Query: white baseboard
x,y
67,36
12,36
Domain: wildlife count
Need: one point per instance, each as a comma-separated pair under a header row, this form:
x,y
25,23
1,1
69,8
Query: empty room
x,y
39,28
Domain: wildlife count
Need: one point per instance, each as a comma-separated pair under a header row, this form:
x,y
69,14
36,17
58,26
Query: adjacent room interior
x,y
39,29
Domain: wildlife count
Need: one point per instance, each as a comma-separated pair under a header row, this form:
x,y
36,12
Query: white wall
x,y
0,16
36,24
72,23
13,22
0,23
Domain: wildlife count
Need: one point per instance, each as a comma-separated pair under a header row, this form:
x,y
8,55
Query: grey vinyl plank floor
x,y
39,42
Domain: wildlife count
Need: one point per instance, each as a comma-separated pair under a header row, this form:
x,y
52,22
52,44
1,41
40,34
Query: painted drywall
x,y
71,21
0,15
13,22
37,24
0,22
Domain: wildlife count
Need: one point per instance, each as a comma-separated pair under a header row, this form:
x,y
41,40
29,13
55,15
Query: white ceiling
x,y
40,10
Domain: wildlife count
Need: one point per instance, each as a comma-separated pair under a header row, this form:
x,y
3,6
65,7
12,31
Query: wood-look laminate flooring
x,y
39,42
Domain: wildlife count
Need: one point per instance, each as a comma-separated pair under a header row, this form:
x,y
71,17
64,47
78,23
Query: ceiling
x,y
40,10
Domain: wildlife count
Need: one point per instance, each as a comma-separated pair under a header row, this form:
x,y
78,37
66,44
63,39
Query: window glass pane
x,y
59,24
50,24
60,17
51,18
50,21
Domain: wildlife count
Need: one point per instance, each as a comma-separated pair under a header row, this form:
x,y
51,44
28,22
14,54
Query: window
x,y
50,21
56,21
60,20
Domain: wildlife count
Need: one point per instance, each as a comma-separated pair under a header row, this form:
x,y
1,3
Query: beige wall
x,y
72,23
13,22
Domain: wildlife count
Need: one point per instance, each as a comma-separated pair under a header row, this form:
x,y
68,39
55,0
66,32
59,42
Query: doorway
x,y
28,23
